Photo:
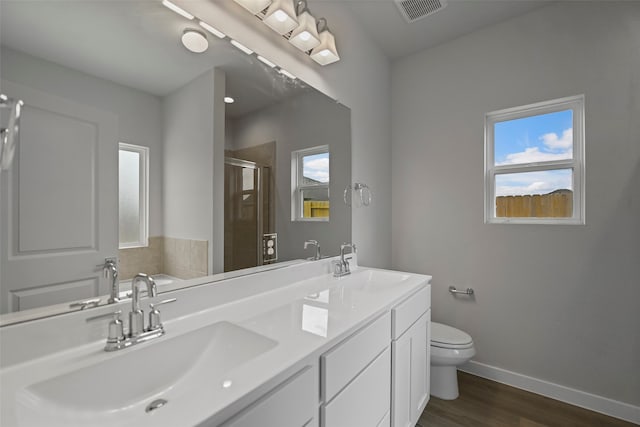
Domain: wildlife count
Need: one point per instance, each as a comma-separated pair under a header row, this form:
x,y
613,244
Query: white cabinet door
x,y
410,373
58,202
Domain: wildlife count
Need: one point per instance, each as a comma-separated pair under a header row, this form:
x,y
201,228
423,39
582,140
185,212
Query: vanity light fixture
x,y
281,16
266,61
242,47
293,20
212,30
195,40
305,37
177,9
229,100
325,53
254,6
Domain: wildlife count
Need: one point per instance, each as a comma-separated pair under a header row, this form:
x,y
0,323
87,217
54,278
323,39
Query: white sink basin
x,y
136,376
375,280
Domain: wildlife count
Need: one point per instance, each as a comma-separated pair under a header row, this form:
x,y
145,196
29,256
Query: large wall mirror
x,y
129,160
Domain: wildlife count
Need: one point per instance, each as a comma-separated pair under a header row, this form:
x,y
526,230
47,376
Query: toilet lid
x,y
445,335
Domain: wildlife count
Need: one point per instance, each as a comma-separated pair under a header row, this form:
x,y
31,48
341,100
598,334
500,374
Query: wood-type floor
x,y
487,403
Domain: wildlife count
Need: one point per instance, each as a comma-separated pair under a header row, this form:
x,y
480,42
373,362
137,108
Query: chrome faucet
x,y
317,245
136,317
342,268
111,269
116,338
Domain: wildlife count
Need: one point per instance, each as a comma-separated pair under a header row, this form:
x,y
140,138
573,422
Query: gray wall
x,y
188,126
557,303
139,113
361,81
304,121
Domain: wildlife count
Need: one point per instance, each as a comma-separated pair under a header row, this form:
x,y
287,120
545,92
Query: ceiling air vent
x,y
414,10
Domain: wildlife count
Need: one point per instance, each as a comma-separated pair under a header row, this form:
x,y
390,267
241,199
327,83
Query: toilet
x,y
450,347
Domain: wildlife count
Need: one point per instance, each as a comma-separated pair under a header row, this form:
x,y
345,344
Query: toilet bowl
x,y
450,347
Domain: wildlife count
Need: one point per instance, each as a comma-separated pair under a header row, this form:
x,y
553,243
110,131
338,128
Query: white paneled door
x,y
58,202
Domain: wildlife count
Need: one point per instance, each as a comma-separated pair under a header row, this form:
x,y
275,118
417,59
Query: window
x,y
534,163
310,184
133,176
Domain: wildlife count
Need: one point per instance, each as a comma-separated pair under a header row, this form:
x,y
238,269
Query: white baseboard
x,y
572,396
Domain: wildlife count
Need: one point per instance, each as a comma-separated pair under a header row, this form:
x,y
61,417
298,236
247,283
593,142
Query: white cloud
x,y
555,148
317,169
534,155
554,143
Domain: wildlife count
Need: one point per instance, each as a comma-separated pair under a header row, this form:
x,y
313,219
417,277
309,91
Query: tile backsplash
x,y
181,258
185,259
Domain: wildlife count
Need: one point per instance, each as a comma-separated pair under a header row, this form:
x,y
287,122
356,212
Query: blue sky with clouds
x,y
534,139
316,167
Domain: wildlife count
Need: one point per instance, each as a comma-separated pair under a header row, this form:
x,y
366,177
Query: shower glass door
x,y
247,213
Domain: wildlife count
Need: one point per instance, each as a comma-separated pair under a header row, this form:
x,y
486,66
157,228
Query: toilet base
x,y
444,382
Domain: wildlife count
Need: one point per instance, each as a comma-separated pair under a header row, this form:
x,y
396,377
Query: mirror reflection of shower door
x,y
247,212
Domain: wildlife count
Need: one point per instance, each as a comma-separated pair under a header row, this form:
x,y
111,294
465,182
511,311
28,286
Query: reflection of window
x,y
534,169
133,172
310,184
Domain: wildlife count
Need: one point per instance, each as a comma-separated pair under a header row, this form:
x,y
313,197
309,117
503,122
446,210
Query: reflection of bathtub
x,y
162,281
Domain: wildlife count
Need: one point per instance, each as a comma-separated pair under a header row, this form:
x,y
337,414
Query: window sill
x,y
310,220
545,221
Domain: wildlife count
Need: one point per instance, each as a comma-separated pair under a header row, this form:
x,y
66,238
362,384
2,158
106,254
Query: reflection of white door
x,y
58,203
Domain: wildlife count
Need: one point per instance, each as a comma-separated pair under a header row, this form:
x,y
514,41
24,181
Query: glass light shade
x,y
194,40
281,16
325,53
305,37
254,6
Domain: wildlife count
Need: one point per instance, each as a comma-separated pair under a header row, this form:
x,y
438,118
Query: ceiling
x,y
135,43
139,43
383,22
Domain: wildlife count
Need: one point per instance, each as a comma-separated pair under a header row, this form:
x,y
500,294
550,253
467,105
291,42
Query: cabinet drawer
x,y
342,363
291,404
366,401
407,312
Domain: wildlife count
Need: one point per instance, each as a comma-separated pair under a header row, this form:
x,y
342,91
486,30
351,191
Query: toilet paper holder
x,y
468,291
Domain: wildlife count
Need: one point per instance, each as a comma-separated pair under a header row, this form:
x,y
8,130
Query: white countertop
x,y
305,317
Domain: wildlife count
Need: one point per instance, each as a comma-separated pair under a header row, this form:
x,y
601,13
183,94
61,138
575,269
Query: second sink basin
x,y
375,280
135,376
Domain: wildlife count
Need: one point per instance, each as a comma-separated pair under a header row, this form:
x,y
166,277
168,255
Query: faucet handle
x,y
338,268
116,327
154,314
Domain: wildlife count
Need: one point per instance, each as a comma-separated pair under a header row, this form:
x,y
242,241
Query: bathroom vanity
x,y
294,346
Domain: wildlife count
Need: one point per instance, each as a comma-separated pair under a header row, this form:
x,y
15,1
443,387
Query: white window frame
x,y
143,240
297,188
574,103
